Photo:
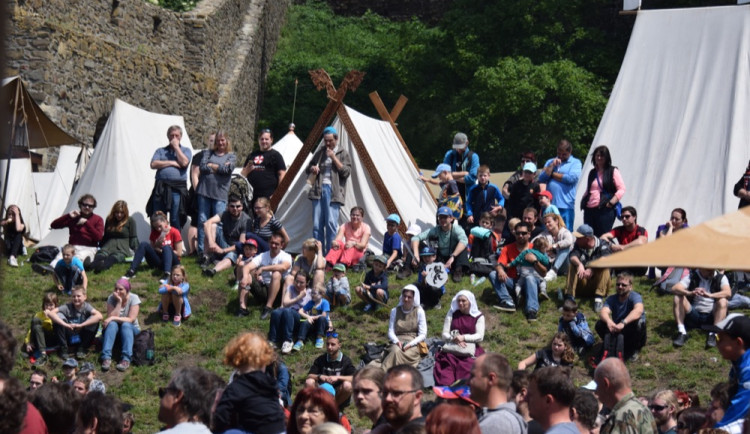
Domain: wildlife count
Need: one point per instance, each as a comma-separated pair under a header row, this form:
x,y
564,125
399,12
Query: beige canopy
x,y
722,243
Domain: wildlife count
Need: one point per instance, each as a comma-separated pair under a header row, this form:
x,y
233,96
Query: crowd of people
x,y
518,236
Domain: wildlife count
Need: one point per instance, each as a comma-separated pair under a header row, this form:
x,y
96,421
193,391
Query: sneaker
x,y
165,277
550,276
106,365
242,312
635,356
123,366
266,312
12,261
286,347
368,307
319,343
298,346
531,316
165,317
681,340
40,361
42,269
236,286
177,321
81,354
458,275
204,260
543,294
129,274
505,306
209,272
404,273
560,296
437,306
518,291
711,340
598,305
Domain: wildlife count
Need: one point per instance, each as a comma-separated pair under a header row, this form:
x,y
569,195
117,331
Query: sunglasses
x,y
623,285
332,335
522,234
87,205
627,216
657,407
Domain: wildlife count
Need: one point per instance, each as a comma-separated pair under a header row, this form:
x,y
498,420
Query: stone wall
x,y
208,65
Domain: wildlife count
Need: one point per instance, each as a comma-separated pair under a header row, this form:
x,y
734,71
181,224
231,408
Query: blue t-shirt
x,y
391,243
171,173
321,309
76,262
621,309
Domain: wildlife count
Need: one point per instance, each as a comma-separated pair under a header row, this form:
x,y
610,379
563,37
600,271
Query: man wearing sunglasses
x,y
85,229
628,235
623,321
334,368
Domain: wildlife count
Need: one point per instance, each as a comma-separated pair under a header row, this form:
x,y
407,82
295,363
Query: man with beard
x,y
367,391
402,400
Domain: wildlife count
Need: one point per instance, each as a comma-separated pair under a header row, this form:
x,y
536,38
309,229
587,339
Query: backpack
x,y
44,254
240,187
144,349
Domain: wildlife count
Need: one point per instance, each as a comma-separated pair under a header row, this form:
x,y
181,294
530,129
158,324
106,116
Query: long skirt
x,y
397,357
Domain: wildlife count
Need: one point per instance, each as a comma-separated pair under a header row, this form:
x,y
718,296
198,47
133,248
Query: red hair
x,y
315,396
452,418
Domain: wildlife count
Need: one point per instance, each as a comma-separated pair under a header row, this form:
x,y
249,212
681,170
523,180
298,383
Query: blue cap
x,y
330,130
328,388
394,218
440,169
584,231
444,210
427,251
529,167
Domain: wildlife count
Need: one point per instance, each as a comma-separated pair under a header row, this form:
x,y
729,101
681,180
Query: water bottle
x,y
473,278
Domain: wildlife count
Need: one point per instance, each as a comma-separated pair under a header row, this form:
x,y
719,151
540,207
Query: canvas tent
x,y
719,243
119,168
390,159
677,120
289,146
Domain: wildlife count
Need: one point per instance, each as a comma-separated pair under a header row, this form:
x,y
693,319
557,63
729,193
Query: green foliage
x,y
175,5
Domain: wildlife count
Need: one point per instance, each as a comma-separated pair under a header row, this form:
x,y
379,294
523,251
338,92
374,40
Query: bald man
x,y
614,391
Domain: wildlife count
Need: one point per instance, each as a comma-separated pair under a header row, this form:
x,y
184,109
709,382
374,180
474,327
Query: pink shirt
x,y
355,235
595,193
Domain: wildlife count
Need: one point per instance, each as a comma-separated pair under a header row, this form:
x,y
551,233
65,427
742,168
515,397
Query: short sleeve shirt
x,y
133,300
621,309
70,315
265,259
391,243
171,173
232,227
317,309
323,365
172,238
624,237
265,177
265,232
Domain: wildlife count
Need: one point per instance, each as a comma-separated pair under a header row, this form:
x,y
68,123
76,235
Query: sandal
x,y
177,321
165,317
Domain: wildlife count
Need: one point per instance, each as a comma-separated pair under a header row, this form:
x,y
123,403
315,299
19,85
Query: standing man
x,y
490,381
330,166
264,168
170,192
561,176
402,399
550,397
614,391
367,390
449,242
464,164
623,315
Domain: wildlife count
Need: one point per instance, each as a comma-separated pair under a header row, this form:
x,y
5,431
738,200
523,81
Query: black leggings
x,y
14,245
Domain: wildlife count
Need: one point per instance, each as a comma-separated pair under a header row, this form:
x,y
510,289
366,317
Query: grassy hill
x,y
201,339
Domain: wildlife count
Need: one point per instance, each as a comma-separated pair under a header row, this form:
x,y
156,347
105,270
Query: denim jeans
x,y
561,261
569,216
529,289
325,218
166,260
174,213
283,321
319,326
127,333
208,208
68,276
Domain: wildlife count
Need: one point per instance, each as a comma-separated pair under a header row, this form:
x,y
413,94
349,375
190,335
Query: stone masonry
x,y
208,65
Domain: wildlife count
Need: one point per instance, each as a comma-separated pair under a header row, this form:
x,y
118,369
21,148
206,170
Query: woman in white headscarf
x,y
463,330
406,329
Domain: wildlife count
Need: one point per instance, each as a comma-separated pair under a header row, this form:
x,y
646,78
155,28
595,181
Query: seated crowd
x,y
518,237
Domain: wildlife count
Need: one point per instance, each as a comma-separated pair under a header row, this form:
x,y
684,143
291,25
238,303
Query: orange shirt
x,y
507,255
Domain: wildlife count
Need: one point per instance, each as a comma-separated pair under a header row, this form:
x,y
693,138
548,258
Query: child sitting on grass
x,y
392,243
558,353
314,317
337,288
573,323
248,250
430,295
526,268
69,271
41,333
174,297
375,285
76,322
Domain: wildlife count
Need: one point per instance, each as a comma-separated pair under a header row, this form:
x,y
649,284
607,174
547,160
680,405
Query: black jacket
x,y
250,403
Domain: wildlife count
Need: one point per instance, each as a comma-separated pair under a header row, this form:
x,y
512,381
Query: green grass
x,y
201,339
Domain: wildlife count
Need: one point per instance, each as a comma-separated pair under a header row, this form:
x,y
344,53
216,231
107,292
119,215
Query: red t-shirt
x,y
172,238
507,255
624,237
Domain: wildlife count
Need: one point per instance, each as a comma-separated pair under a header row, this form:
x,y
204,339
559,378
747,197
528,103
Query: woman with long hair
x,y
604,190
122,320
120,238
265,224
13,231
561,244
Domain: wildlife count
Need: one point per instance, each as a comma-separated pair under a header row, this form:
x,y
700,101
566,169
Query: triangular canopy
x,y
721,243
120,166
30,118
411,197
289,146
677,122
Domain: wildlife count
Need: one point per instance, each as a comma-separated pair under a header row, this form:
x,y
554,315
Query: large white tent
x,y
120,165
289,146
411,197
677,122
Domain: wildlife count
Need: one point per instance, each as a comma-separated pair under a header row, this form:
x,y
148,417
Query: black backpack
x,y
143,348
44,254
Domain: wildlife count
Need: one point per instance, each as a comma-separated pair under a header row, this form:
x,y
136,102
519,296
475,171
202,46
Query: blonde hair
x,y
541,244
182,270
222,133
248,349
78,288
310,244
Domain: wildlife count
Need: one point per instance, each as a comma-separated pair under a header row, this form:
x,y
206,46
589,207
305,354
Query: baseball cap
x,y
545,193
459,390
394,218
340,267
414,230
529,167
459,141
440,169
381,258
444,210
86,367
735,325
70,363
328,388
251,242
584,231
330,130
427,251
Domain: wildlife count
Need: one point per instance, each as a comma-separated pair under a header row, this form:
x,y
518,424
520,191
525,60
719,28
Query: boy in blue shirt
x,y
574,324
392,242
374,289
69,271
483,196
314,315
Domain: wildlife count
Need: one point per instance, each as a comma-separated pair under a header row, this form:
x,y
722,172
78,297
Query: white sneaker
x,y
12,261
518,291
286,347
550,276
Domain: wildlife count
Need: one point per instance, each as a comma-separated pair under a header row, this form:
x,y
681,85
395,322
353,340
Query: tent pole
x,y
10,142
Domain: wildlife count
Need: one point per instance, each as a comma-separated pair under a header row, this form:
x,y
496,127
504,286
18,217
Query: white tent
x,y
289,146
677,120
20,191
120,165
411,197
